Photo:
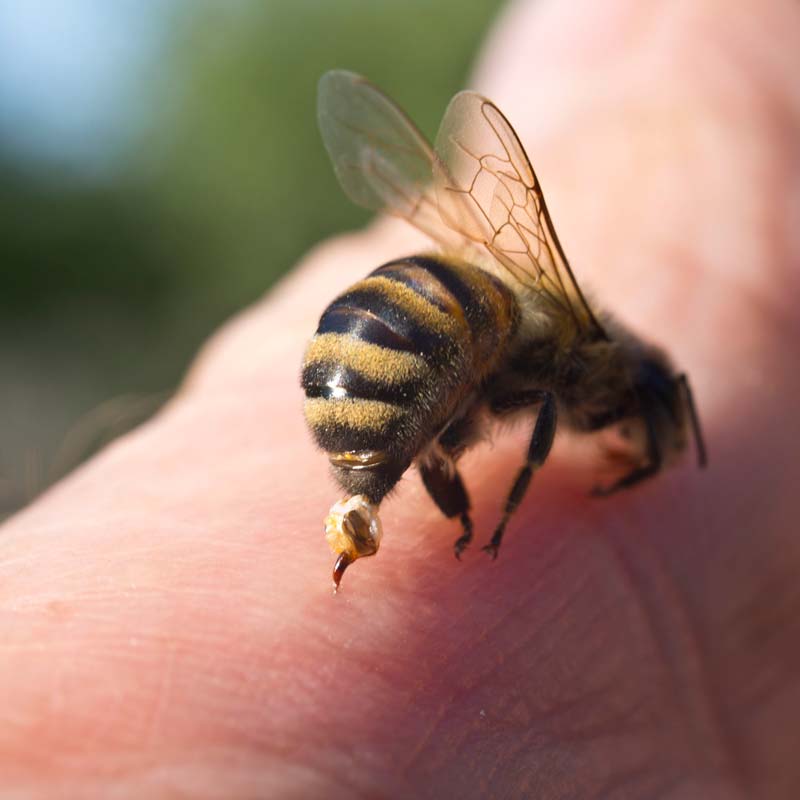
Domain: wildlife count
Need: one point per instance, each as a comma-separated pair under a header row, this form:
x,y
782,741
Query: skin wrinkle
x,y
621,776
757,619
527,742
627,781
434,689
431,732
347,716
676,640
743,517
532,713
506,654
163,695
500,624
180,777
733,634
526,776
586,699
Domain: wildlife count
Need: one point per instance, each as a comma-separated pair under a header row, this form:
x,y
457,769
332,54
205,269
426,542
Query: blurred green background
x,y
160,168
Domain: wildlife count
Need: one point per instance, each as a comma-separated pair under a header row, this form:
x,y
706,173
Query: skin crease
x,y
166,621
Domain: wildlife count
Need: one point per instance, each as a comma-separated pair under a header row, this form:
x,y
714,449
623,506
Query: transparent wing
x,y
381,159
488,192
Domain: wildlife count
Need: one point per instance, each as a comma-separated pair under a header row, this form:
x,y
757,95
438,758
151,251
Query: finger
x,y
665,164
198,534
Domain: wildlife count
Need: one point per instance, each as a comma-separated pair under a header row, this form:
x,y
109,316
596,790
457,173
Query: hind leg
x,y
538,450
442,479
447,490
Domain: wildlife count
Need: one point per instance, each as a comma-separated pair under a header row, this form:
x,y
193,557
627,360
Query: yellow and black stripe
x,y
394,355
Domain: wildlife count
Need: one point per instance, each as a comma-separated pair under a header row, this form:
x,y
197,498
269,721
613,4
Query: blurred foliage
x,y
243,167
61,239
108,284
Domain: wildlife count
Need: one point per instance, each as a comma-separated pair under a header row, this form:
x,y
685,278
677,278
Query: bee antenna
x,y
702,458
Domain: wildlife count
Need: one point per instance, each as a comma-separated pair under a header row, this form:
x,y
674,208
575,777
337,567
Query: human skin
x,y
167,626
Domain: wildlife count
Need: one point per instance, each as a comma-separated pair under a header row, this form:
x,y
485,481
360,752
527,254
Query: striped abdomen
x,y
392,359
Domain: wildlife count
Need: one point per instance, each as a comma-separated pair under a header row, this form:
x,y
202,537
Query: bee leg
x,y
538,450
702,458
445,486
511,402
640,473
463,541
631,479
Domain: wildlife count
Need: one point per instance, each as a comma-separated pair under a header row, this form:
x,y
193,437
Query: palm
x,y
169,619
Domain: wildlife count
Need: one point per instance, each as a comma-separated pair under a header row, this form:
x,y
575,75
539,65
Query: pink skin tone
x,y
167,626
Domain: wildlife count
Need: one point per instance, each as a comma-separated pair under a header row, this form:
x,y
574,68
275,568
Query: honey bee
x,y
410,364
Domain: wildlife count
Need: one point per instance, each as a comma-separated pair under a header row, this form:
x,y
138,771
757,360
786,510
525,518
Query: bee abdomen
x,y
351,424
337,381
390,313
364,325
393,356
441,285
360,394
483,309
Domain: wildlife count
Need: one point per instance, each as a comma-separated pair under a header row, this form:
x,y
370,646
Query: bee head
x,y
353,530
668,405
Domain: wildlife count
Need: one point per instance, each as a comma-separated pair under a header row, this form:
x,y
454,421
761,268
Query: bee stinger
x,y
409,364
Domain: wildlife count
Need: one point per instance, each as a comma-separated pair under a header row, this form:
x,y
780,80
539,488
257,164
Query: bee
x,y
408,365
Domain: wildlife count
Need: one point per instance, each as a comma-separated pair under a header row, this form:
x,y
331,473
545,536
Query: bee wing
x,y
382,160
488,192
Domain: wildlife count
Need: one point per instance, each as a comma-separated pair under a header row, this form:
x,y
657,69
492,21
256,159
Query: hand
x,y
167,621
